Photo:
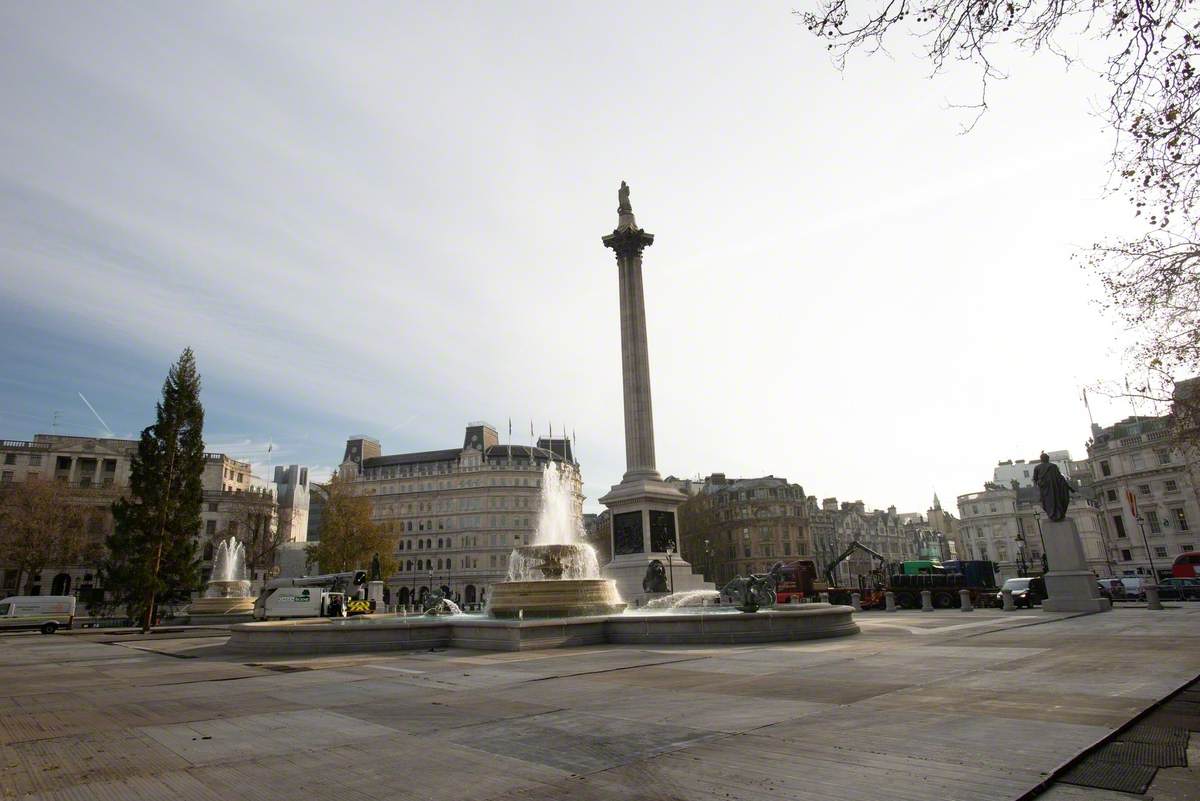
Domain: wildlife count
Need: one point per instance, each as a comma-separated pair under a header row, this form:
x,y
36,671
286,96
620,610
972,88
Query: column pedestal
x,y
1070,585
644,523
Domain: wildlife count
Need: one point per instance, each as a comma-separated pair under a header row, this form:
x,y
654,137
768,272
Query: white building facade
x,y
1147,495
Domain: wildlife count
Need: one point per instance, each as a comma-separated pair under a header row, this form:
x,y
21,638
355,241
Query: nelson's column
x,y
643,507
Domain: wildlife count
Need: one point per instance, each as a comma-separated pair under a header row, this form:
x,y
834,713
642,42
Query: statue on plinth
x,y
1055,490
623,206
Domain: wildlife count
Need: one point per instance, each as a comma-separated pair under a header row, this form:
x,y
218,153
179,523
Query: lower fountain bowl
x,y
221,606
562,598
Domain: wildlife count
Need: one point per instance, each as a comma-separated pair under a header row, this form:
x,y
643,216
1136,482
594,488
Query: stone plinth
x,y
1070,585
375,593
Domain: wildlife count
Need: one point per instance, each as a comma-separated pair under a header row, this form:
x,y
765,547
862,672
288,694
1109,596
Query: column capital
x,y
628,241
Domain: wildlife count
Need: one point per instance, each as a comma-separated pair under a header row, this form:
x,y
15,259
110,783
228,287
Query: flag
x,y
1129,496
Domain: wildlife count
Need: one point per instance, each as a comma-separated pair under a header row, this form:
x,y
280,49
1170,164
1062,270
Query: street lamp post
x,y
707,561
1022,568
670,568
1037,518
1149,554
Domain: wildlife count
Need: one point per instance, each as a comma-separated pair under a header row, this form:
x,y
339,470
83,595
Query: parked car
x,y
1025,591
1179,589
1105,592
1116,590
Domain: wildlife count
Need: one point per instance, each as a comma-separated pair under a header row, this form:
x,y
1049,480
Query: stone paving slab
x,y
578,742
919,706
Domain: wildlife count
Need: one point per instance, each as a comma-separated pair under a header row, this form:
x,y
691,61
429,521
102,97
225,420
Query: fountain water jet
x,y
558,575
228,590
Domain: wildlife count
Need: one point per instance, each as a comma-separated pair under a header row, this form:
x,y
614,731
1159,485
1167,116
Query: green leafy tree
x,y
349,538
151,555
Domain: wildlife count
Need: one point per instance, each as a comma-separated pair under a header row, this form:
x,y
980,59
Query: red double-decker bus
x,y
1186,565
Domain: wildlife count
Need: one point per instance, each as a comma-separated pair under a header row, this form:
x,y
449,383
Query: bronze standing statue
x,y
1054,488
623,199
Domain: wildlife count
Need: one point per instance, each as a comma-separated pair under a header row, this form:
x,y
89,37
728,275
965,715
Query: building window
x,y
1111,495
1105,468
1126,556
1186,547
1170,485
6,477
212,507
1164,456
1143,489
1181,519
10,458
1160,551
1139,461
1119,523
210,528
1155,524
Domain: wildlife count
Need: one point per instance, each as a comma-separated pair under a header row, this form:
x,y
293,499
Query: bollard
x,y
856,601
796,600
926,601
889,601
1152,601
964,600
824,597
1006,595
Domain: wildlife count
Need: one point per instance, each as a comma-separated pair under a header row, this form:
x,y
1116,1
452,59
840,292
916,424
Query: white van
x,y
302,602
45,612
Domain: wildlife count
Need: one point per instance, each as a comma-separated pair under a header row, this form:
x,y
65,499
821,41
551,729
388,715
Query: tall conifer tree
x,y
152,554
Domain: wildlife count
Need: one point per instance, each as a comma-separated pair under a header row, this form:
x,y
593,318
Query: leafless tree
x,y
255,526
1150,53
43,525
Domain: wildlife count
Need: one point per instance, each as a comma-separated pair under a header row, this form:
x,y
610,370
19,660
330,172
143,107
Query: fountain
x,y
228,590
554,595
558,575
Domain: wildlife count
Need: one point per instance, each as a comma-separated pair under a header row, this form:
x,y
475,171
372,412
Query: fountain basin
x,y
562,598
418,632
223,598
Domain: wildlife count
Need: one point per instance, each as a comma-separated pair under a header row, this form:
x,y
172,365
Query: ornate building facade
x,y
456,514
735,527
1147,494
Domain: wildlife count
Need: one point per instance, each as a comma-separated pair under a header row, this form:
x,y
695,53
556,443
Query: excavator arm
x,y
854,546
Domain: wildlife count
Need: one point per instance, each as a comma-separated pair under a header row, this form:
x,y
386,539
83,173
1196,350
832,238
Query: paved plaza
x,y
920,706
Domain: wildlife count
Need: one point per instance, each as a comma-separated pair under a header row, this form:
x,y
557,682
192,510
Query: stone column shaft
x,y
635,364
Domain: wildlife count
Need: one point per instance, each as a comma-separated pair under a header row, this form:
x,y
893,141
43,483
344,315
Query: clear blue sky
x,y
386,218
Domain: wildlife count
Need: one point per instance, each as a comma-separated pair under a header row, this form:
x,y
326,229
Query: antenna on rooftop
x,y
107,430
